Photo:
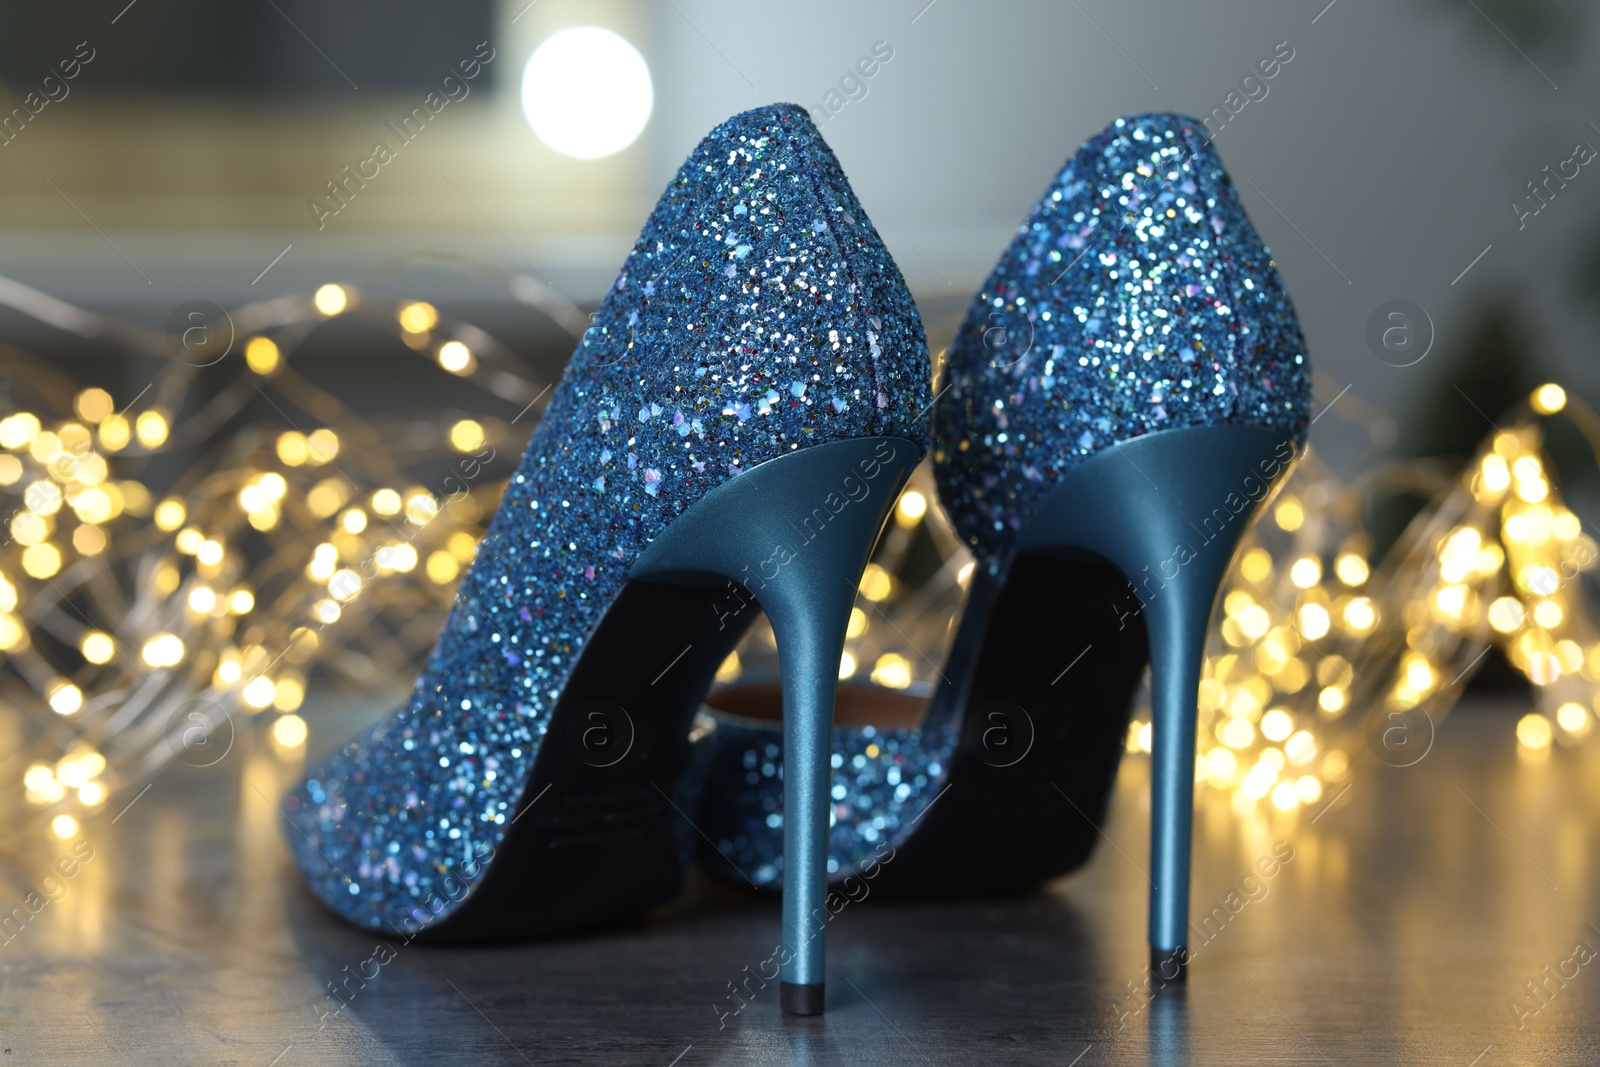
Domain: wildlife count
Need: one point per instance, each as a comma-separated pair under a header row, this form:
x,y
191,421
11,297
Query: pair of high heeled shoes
x,y
728,439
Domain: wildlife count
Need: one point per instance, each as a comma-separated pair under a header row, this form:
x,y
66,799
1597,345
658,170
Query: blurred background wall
x,y
1382,162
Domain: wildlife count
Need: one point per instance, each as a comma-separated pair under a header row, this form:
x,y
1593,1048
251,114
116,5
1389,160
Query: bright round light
x,y
289,731
331,299
586,92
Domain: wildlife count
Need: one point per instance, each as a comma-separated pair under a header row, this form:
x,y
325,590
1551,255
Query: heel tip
x,y
801,999
1170,964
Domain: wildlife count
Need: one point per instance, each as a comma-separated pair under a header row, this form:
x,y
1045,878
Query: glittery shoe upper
x,y
757,313
1136,297
881,781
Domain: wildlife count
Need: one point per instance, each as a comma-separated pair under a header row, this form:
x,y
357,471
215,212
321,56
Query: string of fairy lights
x,y
142,623
1323,660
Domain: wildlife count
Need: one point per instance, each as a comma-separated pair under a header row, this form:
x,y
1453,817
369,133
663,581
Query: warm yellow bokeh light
x,y
42,498
46,447
456,357
418,317
41,560
258,692
71,773
1306,572
64,697
17,431
89,540
443,567
1221,766
115,433
37,778
1301,748
913,505
97,647
1313,621
1573,718
30,528
93,405
1351,569
876,583
170,514
1256,565
892,670
466,435
289,694
1549,399
322,446
857,624
1238,733
261,355
1547,613
462,546
386,502
289,731
331,299
344,585
163,650
151,428
1360,614
1254,621
292,449
1506,614
327,497
12,635
1533,731
400,557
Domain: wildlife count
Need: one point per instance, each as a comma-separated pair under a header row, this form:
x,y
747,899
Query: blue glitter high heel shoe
x,y
727,439
1125,393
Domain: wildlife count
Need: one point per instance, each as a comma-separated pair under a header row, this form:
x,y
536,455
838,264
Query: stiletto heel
x,y
1169,510
811,519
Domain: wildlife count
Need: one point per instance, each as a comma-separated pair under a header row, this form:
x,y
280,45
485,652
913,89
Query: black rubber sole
x,y
1048,701
1170,964
801,999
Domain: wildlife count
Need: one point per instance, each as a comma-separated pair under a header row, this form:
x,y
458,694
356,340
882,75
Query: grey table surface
x,y
1407,928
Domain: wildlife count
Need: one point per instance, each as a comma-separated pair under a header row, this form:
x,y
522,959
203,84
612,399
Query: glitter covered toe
x,y
535,781
1135,325
883,778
